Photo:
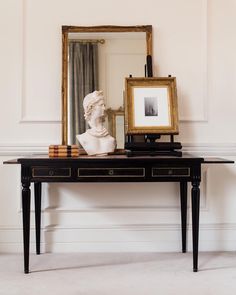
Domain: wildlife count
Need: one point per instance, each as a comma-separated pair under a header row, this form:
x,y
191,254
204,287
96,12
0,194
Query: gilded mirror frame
x,y
112,114
90,29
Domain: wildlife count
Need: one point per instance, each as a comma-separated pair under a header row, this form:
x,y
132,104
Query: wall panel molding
x,y
198,149
24,117
203,118
18,149
28,119
127,227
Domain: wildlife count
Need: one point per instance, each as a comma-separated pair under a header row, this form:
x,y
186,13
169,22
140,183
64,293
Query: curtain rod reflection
x,y
101,41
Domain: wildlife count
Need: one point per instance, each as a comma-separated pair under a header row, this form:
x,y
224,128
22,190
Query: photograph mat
x,y
163,108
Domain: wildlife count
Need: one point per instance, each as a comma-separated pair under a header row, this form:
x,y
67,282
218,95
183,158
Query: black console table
x,y
117,168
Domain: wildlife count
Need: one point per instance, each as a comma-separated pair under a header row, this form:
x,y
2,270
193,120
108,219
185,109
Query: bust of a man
x,y
96,140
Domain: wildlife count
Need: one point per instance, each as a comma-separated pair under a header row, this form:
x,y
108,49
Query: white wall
x,y
195,41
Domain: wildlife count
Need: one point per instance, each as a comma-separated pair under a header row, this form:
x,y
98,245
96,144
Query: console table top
x,y
81,158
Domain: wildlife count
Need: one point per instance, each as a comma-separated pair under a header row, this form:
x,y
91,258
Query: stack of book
x,y
56,151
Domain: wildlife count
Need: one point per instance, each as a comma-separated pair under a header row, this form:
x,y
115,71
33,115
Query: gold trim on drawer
x,y
171,174
52,174
111,172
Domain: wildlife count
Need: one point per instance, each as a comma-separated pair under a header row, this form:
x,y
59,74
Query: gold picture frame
x,y
116,125
151,106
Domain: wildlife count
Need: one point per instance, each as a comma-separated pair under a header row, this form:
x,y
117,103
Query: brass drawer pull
x,y
51,172
111,172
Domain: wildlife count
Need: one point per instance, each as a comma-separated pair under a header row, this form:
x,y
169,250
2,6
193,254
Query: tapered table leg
x,y
37,202
183,203
26,222
195,221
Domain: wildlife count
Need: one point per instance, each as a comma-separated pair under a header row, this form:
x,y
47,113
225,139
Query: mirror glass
x,y
99,58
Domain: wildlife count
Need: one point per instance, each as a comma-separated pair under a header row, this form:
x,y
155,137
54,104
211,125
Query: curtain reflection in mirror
x,y
83,77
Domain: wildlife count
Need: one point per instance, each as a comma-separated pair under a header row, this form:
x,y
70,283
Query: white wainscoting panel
x,y
192,40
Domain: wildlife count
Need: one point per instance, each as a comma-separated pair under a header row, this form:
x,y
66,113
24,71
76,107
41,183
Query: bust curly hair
x,y
90,101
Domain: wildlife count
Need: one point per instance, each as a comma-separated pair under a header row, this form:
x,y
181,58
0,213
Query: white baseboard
x,y
136,238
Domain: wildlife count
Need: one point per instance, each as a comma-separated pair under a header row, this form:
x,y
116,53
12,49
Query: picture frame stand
x,y
151,112
151,147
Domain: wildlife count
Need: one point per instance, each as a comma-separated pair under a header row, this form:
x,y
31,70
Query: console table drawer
x,y
171,172
51,172
111,172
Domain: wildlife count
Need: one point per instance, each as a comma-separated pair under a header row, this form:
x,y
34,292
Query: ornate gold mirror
x,y
99,58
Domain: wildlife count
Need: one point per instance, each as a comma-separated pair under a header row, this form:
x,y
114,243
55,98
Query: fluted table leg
x,y
195,221
26,222
37,202
183,203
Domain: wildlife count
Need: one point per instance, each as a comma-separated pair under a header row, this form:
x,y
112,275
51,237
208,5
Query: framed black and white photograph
x,y
151,106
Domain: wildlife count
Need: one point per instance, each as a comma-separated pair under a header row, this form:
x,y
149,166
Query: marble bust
x,y
96,140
